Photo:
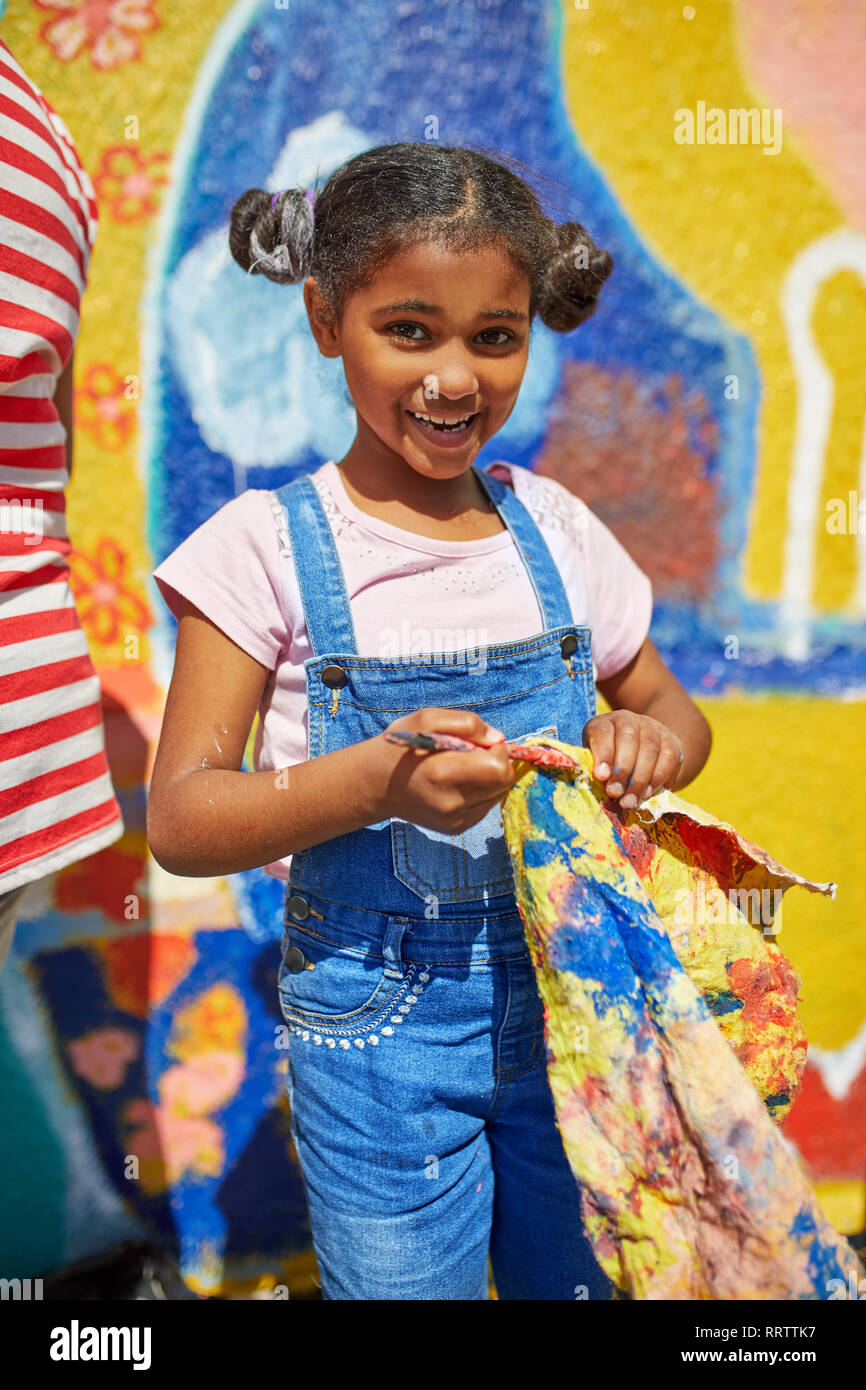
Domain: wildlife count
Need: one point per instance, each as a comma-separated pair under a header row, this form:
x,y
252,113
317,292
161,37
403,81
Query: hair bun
x,y
575,273
274,241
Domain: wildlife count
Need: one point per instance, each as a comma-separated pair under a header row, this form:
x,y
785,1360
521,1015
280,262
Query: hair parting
x,y
393,197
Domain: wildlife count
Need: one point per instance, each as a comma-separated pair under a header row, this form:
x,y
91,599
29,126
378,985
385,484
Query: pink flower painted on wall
x,y
106,29
101,1057
130,183
168,1146
204,1083
177,1137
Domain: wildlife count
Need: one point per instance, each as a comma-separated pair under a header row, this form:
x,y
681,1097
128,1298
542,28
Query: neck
x,y
381,476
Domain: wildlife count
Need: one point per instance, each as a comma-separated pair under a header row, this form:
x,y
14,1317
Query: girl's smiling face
x,y
438,333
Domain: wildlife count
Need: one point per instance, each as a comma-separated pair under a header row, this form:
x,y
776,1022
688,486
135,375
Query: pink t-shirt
x,y
408,593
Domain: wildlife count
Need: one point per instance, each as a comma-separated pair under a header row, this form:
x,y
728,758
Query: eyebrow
x,y
420,306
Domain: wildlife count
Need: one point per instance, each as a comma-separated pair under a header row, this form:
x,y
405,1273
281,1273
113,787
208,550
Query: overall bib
x,y
420,1108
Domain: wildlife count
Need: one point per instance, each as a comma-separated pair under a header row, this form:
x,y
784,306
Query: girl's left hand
x,y
633,754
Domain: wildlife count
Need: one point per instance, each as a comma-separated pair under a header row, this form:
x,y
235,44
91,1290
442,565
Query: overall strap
x,y
322,586
540,564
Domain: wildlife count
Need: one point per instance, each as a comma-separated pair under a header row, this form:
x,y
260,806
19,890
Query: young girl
x,y
404,588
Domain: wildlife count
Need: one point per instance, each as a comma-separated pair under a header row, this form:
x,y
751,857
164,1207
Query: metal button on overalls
x,y
298,907
334,677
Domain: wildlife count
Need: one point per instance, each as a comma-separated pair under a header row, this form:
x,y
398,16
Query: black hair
x,y
394,196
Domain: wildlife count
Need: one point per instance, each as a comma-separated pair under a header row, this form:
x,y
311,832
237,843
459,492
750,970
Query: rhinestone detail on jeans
x,y
387,1032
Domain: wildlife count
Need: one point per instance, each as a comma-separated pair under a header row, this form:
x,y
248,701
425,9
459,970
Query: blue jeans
x,y
421,1112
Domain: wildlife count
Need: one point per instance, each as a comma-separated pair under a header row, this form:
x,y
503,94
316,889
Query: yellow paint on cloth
x,y
672,1038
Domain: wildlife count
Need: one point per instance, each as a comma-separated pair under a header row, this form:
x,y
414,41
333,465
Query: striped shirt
x,y
57,802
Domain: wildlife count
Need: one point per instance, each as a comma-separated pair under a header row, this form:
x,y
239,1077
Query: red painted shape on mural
x,y
829,1133
639,454
106,880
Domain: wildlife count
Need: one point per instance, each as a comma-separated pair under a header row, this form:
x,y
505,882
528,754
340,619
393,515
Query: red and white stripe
x,y
57,803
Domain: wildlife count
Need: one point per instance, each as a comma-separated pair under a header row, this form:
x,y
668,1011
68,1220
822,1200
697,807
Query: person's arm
x,y
63,402
654,735
206,816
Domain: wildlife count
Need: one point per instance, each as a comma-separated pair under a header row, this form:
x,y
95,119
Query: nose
x,y
453,375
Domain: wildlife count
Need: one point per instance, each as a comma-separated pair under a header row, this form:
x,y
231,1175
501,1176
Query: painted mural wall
x,y
711,413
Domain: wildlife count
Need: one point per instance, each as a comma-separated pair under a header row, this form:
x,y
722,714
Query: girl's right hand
x,y
445,791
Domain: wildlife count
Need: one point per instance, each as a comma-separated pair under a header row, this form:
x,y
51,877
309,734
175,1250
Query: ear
x,y
322,319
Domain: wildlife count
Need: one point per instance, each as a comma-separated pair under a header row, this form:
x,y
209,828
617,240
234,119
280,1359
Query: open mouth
x,y
441,429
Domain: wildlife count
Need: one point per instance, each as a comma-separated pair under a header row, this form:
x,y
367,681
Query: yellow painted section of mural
x,y
729,221
148,99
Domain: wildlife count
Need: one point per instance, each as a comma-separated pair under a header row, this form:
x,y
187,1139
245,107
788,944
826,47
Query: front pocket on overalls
x,y
343,986
456,868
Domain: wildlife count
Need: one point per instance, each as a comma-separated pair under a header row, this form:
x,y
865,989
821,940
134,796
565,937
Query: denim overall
x,y
420,1109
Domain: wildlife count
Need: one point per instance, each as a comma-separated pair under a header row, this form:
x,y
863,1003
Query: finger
x,y
475,776
462,722
625,753
644,766
599,736
669,762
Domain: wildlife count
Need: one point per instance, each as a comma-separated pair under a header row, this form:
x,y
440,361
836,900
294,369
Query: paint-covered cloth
x,y
57,802
673,1040
409,593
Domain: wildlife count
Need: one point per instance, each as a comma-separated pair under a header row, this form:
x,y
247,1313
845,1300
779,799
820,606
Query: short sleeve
x,y
230,569
607,589
619,596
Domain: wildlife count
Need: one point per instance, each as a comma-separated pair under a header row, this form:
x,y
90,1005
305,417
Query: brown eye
x,y
505,338
405,336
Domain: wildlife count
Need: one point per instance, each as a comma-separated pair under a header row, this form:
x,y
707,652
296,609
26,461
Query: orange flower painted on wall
x,y
105,406
106,29
107,608
130,183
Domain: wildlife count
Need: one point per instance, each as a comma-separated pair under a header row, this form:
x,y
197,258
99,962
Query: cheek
x,y
500,392
375,382
502,388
